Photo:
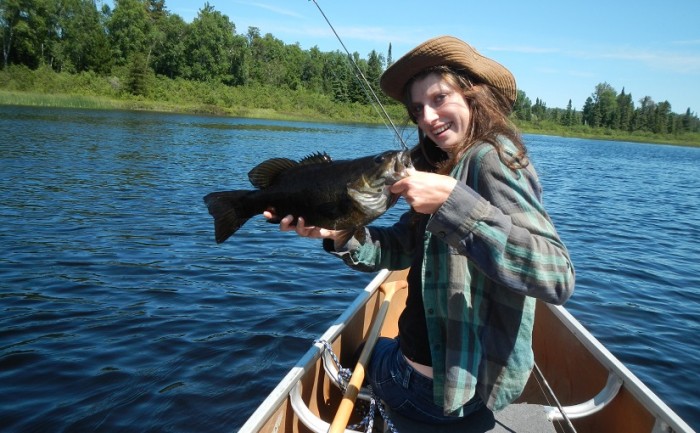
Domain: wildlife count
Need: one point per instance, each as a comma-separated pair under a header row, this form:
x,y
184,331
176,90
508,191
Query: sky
x,y
557,50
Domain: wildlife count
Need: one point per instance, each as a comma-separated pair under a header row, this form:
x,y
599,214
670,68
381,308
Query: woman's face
x,y
440,111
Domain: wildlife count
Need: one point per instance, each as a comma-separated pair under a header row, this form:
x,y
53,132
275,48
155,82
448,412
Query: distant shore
x,y
309,114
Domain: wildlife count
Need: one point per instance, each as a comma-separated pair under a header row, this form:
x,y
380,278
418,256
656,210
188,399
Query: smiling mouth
x,y
442,129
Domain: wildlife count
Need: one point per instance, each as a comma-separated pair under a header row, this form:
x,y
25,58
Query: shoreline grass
x,y
308,114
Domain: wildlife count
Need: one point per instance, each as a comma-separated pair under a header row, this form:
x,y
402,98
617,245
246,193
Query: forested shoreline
x,y
138,55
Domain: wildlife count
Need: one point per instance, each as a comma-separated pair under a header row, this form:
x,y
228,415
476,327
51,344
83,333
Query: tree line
x,y
140,39
607,109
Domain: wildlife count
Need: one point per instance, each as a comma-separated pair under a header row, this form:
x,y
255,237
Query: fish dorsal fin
x,y
316,158
264,174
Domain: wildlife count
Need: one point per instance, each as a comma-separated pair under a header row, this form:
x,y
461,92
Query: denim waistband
x,y
409,377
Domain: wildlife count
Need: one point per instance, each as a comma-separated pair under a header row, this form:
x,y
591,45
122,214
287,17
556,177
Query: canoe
x,y
576,386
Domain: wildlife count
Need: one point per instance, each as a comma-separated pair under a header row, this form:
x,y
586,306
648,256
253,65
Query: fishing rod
x,y
365,83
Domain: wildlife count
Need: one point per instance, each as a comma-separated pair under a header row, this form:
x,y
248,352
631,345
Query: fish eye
x,y
379,158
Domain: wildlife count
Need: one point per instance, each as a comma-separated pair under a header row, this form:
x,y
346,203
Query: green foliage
x,y
523,107
78,42
609,113
129,28
138,75
139,54
209,47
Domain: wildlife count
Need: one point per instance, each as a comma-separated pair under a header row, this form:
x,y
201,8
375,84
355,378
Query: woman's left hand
x,y
424,192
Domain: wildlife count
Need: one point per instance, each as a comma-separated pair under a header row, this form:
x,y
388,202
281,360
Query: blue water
x,y
118,312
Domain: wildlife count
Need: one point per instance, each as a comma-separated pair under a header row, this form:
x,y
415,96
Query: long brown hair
x,y
489,121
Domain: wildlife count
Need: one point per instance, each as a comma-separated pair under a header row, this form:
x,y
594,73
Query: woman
x,y
478,241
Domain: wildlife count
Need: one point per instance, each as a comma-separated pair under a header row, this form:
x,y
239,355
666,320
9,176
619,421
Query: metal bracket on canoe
x,y
602,399
308,418
330,367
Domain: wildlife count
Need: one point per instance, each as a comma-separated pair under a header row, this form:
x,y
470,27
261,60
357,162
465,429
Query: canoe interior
x,y
571,370
575,376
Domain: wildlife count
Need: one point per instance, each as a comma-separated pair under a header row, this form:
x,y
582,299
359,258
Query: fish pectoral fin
x,y
343,236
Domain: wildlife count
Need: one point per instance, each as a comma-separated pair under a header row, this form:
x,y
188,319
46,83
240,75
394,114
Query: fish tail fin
x,y
228,212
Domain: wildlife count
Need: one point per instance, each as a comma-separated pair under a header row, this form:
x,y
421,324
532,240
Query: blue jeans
x,y
405,390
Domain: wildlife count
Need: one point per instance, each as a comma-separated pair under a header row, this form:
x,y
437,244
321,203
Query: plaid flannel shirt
x,y
490,250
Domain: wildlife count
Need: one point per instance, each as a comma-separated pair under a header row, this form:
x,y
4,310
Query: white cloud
x,y
664,60
275,9
675,62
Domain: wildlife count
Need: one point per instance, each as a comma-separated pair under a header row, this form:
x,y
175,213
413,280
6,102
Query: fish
x,y
338,195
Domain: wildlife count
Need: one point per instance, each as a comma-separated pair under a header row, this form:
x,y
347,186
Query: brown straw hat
x,y
452,52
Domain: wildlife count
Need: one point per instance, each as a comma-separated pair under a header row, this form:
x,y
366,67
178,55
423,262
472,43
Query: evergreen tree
x,y
137,80
662,113
522,109
568,117
625,108
539,110
588,117
356,86
644,115
375,67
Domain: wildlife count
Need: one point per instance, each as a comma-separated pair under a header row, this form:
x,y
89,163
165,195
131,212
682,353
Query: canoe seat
x,y
516,418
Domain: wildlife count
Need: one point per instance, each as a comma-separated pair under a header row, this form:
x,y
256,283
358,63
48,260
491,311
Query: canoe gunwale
x,y
280,393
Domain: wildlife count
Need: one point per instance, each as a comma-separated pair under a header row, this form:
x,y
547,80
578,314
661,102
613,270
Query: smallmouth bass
x,y
337,195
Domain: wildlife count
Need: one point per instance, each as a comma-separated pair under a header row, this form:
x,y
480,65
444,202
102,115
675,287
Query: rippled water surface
x,y
118,312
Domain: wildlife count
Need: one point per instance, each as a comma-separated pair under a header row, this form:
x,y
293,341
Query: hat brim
x,y
452,52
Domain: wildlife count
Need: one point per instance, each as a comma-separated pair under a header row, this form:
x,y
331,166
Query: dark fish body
x,y
338,195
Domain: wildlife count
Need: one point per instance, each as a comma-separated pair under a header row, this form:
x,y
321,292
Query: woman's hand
x,y
286,225
424,192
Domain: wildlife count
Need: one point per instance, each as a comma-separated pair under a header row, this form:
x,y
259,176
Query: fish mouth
x,y
402,163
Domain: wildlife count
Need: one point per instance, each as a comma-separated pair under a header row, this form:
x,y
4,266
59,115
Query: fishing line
x,y
542,383
366,85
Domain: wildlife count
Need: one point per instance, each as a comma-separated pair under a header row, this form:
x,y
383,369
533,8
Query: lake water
x,y
118,312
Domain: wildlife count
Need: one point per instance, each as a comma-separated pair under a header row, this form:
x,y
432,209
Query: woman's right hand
x,y
287,225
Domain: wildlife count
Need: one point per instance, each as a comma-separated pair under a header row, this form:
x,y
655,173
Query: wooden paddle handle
x,y
342,416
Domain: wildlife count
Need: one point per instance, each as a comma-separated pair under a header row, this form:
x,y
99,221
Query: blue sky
x,y
557,50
